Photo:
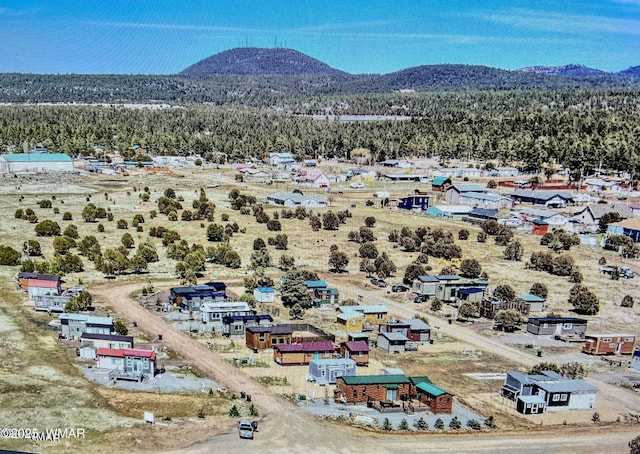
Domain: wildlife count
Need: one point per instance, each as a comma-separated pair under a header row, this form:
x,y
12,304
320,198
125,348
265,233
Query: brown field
x,y
41,386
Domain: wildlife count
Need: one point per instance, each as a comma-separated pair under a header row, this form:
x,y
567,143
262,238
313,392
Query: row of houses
x,y
573,327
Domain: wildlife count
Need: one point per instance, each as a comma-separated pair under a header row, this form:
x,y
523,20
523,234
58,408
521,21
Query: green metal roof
x,y
418,380
439,180
375,380
36,157
431,389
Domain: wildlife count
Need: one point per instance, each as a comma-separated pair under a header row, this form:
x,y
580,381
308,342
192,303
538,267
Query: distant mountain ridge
x,y
260,61
256,61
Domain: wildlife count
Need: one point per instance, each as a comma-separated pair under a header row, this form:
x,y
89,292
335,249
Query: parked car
x,y
356,185
510,222
378,282
420,299
399,288
245,429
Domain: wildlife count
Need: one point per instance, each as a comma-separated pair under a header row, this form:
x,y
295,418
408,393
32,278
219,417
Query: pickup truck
x,y
246,428
614,271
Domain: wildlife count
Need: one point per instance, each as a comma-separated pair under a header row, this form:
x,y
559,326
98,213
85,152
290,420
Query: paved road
x,y
289,429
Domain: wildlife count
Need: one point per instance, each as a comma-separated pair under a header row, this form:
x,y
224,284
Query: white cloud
x,y
563,23
185,27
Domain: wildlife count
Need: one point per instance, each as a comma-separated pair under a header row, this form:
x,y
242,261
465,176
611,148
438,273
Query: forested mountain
x,y
578,71
252,61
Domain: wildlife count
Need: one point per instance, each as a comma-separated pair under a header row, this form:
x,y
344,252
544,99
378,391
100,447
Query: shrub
x,y
8,256
438,424
455,423
47,228
474,424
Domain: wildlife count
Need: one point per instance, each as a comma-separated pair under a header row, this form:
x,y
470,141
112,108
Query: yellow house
x,y
370,315
350,321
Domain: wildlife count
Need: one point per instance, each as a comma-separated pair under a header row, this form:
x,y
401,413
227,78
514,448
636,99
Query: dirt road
x,y
288,429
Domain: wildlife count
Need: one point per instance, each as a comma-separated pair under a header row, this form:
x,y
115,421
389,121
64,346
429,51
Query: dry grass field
x,y
41,387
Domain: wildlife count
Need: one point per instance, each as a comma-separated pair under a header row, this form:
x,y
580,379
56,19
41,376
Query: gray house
x,y
549,391
392,342
106,340
73,325
326,371
561,326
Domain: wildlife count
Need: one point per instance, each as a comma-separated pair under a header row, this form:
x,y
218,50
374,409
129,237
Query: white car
x,y
356,185
510,222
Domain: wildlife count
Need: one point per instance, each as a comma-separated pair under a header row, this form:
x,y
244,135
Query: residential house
x,y
357,350
350,321
302,353
358,337
589,216
127,363
396,163
628,227
502,172
415,177
413,328
437,399
106,340
449,211
281,159
262,337
557,326
193,297
535,303
372,388
635,360
440,183
418,330
374,315
23,278
486,200
326,371
489,307
392,342
599,185
609,344
51,303
549,391
389,388
450,288
412,202
550,199
479,215
325,295
235,325
213,312
256,174
312,177
295,199
41,287
73,325
552,218
455,192
539,227
264,294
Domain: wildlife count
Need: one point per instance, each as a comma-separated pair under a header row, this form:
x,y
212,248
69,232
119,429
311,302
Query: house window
x,y
237,327
612,345
628,339
355,393
563,397
261,337
327,354
606,339
567,326
380,316
274,341
556,397
545,325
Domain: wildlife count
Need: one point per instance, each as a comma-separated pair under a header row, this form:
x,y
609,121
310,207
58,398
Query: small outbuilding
x,y
264,294
609,344
392,343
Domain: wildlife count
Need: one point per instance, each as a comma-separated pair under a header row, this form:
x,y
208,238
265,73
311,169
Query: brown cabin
x,y
609,344
263,337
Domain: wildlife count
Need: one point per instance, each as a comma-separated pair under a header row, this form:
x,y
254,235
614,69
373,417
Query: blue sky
x,y
373,36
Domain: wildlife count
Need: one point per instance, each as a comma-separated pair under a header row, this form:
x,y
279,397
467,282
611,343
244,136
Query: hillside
x,y
260,61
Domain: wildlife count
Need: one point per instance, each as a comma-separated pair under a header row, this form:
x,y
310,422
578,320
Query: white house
x,y
214,312
553,218
281,159
264,294
312,177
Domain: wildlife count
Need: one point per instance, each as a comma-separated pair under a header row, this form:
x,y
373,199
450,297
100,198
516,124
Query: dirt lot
x,y
39,384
